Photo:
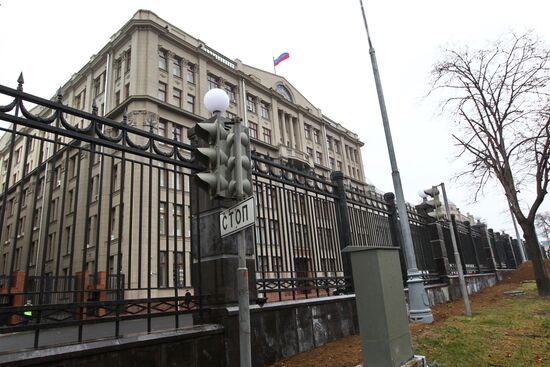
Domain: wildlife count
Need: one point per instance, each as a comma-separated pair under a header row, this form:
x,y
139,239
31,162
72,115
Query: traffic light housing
x,y
239,165
214,156
434,208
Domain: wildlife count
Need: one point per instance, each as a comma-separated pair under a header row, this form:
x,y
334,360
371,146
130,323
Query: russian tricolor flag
x,y
282,57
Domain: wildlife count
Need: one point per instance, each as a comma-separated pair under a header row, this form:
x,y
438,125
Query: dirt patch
x,y
346,352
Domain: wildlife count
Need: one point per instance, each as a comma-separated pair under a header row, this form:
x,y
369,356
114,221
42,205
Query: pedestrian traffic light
x,y
434,208
239,174
214,156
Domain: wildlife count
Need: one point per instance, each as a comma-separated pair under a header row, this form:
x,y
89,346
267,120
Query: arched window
x,y
281,89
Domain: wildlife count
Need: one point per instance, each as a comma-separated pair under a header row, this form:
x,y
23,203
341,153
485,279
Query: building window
x,y
178,212
251,103
162,60
162,91
117,98
191,73
176,97
267,135
337,146
339,166
162,128
127,90
309,151
128,61
176,67
307,131
284,92
179,269
213,81
329,143
319,158
177,133
253,128
163,224
99,87
230,90
230,115
316,136
118,68
190,103
264,110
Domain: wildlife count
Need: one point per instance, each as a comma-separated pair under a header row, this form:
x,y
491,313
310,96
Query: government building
x,y
68,206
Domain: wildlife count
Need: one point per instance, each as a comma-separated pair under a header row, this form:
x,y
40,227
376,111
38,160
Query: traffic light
x,y
214,156
434,210
239,174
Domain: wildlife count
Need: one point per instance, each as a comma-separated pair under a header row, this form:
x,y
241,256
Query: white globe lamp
x,y
216,101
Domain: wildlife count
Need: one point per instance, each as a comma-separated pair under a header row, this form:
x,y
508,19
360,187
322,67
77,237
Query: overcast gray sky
x,y
329,63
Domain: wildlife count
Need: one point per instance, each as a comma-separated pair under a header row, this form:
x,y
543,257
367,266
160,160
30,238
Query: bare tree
x,y
542,220
499,99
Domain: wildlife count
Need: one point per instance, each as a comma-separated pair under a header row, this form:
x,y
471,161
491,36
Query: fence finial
x,y
94,107
60,94
20,82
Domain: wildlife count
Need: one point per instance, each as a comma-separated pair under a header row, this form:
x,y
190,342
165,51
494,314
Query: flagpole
x,y
274,68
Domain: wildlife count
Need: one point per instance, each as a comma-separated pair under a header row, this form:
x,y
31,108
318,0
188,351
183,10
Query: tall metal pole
x,y
458,262
419,305
520,242
242,271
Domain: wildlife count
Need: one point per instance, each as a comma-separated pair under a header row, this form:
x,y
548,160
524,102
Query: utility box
x,y
381,308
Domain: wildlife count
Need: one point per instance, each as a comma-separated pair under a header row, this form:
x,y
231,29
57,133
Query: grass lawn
x,y
509,331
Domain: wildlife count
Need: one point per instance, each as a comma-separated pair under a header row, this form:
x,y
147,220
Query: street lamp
x,y
419,305
216,101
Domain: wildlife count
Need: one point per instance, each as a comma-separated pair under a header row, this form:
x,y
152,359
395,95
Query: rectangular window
x,y
177,133
190,103
331,162
176,97
21,226
97,86
178,212
128,59
70,201
113,222
230,89
127,90
176,67
267,135
117,98
34,246
309,151
316,137
339,166
53,210
162,91
191,73
329,143
179,269
162,218
213,81
253,129
118,69
337,146
251,103
319,158
264,110
68,240
162,60
50,246
161,128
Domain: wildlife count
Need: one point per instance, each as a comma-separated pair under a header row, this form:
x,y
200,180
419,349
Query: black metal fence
x,y
95,223
95,218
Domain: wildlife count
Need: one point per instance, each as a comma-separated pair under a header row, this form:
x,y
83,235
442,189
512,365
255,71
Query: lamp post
x,y
419,305
216,101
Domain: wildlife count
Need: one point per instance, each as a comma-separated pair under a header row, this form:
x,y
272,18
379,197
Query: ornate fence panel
x,y
94,218
297,247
